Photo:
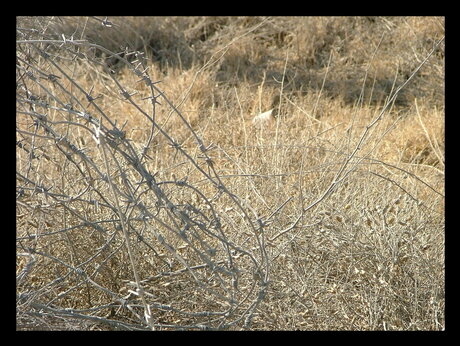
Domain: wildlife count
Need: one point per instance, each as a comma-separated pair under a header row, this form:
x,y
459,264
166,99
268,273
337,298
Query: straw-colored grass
x,y
367,256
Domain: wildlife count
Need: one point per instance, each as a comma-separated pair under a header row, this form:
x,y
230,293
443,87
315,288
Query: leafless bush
x,y
151,227
122,239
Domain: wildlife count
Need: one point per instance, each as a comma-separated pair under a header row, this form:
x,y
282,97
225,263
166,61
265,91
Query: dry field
x,y
148,196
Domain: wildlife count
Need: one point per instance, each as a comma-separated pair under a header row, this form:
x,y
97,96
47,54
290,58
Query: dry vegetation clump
x,y
148,199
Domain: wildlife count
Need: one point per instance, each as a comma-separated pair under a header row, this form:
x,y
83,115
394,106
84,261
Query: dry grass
x,y
365,253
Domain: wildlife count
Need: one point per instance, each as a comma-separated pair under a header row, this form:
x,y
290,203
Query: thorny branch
x,y
110,189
